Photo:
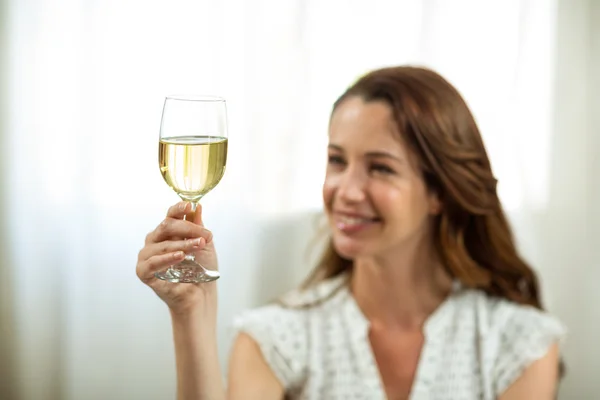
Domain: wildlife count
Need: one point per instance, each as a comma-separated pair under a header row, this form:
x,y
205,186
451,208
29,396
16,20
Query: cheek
x,y
398,203
387,198
411,206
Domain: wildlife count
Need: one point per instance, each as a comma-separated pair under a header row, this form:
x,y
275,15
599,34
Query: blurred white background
x,y
83,83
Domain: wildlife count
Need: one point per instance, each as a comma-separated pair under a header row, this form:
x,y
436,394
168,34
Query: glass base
x,y
187,271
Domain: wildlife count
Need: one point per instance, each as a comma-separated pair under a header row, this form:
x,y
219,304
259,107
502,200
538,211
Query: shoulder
x,y
281,329
514,336
512,322
499,316
292,310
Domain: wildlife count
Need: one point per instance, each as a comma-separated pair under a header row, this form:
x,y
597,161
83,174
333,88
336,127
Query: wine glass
x,y
192,154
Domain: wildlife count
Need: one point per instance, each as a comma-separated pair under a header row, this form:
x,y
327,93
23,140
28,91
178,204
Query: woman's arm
x,y
193,309
196,356
538,381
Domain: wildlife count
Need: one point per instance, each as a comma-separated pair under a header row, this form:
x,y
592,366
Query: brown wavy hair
x,y
472,234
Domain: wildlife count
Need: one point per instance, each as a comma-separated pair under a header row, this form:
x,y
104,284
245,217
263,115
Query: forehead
x,y
356,124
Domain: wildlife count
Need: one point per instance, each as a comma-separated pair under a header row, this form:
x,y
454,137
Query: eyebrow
x,y
377,154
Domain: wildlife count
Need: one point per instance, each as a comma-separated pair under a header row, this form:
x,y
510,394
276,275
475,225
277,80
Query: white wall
x,y
569,230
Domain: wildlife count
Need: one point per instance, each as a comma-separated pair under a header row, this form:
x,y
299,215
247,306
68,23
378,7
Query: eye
x,y
382,168
333,159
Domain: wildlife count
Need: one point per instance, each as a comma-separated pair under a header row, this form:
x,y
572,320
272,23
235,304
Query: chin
x,y
348,248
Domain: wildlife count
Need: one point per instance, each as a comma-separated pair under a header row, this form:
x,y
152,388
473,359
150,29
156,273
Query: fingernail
x,y
197,242
178,254
183,206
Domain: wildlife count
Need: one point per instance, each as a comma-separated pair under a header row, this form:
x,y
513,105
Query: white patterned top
x,y
475,345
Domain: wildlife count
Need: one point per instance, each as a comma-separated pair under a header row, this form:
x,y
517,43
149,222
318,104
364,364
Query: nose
x,y
352,186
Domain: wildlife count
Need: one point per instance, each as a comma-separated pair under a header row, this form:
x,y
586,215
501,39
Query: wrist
x,y
203,312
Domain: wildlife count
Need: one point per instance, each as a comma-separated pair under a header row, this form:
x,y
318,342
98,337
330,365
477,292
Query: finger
x,y
171,229
145,270
178,210
171,246
197,218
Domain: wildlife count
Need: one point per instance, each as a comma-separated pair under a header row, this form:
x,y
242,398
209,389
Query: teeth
x,y
353,221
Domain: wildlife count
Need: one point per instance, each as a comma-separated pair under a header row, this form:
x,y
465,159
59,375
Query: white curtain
x,y
83,85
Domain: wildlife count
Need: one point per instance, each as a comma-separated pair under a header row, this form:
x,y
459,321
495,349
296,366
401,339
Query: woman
x,y
421,294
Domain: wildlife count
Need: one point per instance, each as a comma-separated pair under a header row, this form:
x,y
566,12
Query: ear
x,y
435,204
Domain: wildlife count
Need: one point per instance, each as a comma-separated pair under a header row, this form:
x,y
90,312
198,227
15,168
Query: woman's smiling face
x,y
375,198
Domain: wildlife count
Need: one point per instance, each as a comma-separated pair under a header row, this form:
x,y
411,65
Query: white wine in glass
x,y
192,154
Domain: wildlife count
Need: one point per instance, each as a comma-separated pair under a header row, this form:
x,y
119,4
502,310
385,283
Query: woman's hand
x,y
166,246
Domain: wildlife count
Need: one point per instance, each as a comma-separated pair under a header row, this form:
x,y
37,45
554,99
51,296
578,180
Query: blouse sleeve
x,y
526,335
281,336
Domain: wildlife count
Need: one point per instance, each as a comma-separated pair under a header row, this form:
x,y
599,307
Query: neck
x,y
400,290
